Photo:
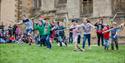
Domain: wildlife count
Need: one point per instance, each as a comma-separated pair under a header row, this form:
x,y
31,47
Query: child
x,y
70,36
20,39
79,36
36,34
114,35
12,39
30,39
87,27
17,32
52,35
75,31
99,27
46,33
60,33
1,38
106,37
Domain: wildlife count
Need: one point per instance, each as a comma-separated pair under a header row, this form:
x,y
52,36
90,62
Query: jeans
x,y
45,40
114,42
28,31
37,39
86,36
70,37
79,39
100,37
106,43
60,39
2,40
48,41
42,40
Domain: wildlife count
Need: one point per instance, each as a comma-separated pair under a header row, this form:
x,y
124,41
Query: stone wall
x,y
102,8
8,12
73,8
27,7
47,5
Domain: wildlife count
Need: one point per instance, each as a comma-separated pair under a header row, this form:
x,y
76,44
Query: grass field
x,y
13,53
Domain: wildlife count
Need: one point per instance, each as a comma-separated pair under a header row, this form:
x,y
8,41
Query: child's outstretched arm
x,y
121,25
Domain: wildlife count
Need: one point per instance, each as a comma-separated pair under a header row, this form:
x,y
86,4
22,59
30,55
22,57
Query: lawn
x,y
14,53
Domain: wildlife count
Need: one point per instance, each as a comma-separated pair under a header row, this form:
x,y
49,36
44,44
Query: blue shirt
x,y
114,33
29,24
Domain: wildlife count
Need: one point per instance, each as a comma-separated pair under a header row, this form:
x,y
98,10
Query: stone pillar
x,y
27,7
73,8
102,8
8,13
0,12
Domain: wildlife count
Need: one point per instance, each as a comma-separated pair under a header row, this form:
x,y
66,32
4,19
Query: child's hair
x,y
88,21
57,23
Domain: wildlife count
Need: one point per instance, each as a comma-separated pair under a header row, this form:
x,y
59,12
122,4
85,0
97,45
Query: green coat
x,y
39,28
44,29
47,29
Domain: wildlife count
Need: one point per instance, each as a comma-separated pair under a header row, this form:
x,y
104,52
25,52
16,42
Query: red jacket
x,y
107,34
12,38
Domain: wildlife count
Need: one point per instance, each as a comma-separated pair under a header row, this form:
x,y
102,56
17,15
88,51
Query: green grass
x,y
13,53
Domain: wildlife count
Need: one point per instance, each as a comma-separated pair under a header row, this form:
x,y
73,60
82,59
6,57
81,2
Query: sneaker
x,y
58,44
75,50
83,49
38,45
80,50
89,47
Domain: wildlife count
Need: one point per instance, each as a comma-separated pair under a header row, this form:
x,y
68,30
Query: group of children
x,y
8,35
104,32
46,30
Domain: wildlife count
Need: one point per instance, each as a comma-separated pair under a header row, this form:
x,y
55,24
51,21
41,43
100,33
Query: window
x,y
118,6
39,3
35,4
86,8
62,1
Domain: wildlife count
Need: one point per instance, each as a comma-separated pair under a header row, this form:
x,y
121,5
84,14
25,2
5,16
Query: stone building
x,y
7,11
81,8
12,10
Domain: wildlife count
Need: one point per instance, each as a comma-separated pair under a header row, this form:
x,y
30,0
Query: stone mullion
x,y
18,9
